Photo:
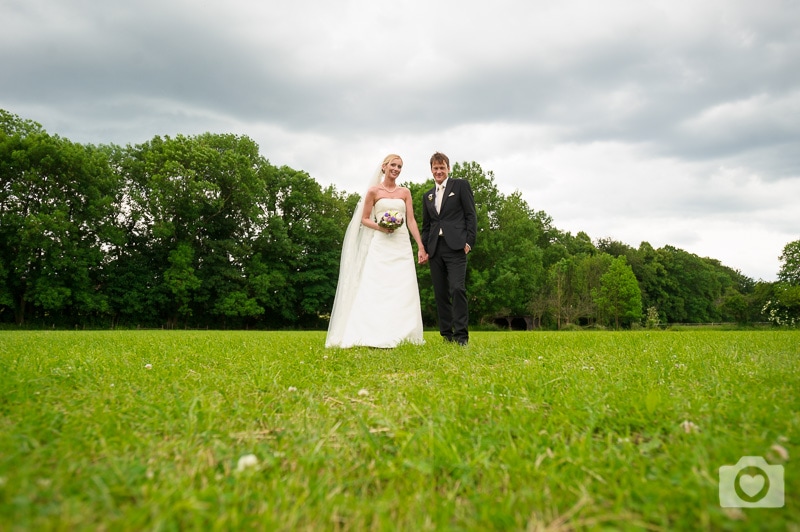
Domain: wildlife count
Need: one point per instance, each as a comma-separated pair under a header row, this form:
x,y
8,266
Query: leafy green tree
x,y
205,230
615,248
580,244
236,175
161,208
270,268
789,297
653,279
301,245
733,306
589,274
556,244
619,296
757,299
790,264
571,284
784,309
56,203
181,280
685,287
693,287
556,299
191,204
652,319
505,270
516,272
783,305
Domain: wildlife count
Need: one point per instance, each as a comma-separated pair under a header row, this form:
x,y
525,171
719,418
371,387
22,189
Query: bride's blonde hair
x,y
389,158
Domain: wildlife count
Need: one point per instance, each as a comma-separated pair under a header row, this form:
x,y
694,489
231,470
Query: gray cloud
x,y
634,120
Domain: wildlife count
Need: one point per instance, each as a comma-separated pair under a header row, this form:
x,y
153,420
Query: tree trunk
x,y
19,311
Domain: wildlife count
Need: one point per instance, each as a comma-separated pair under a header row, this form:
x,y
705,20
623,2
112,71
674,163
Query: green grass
x,y
521,430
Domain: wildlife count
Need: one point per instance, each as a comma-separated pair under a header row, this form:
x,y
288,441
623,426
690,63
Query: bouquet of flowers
x,y
390,220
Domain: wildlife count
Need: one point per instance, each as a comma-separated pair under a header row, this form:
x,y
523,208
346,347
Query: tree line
x,y
202,231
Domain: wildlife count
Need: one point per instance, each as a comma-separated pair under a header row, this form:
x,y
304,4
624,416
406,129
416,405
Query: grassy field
x,y
151,430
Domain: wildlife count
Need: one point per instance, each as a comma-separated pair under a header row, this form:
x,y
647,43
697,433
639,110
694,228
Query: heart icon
x,y
751,484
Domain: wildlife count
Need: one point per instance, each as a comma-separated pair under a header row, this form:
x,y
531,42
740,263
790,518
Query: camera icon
x,y
751,483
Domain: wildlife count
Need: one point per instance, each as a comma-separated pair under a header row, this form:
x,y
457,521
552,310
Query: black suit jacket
x,y
457,218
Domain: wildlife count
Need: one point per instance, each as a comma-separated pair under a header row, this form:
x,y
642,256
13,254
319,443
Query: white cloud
x,y
672,122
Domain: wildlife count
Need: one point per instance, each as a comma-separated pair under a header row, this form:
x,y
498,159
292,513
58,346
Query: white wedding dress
x,y
386,309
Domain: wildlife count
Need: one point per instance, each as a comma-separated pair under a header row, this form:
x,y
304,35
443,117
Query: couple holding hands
x,y
377,297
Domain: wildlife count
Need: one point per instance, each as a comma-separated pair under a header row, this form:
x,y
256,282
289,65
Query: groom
x,y
449,225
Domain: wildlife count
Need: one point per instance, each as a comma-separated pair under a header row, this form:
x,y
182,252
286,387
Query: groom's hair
x,y
440,157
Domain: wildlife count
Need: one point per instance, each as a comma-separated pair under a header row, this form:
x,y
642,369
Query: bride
x,y
377,297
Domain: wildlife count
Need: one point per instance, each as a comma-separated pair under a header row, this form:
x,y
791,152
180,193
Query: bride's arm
x,y
366,216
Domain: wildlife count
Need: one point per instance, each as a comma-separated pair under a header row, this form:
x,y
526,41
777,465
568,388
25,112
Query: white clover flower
x,y
363,392
246,461
148,366
292,389
689,427
781,451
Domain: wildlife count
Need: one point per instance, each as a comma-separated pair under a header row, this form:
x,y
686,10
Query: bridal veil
x,y
354,252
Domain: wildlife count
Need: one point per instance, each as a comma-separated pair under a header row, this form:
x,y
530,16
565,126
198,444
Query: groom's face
x,y
439,171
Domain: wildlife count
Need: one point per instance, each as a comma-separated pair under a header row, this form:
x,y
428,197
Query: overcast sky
x,y
667,121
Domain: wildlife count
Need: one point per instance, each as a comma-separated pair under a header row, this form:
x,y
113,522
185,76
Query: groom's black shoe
x,y
451,340
461,341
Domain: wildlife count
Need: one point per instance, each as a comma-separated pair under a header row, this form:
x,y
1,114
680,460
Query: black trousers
x,y
449,276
